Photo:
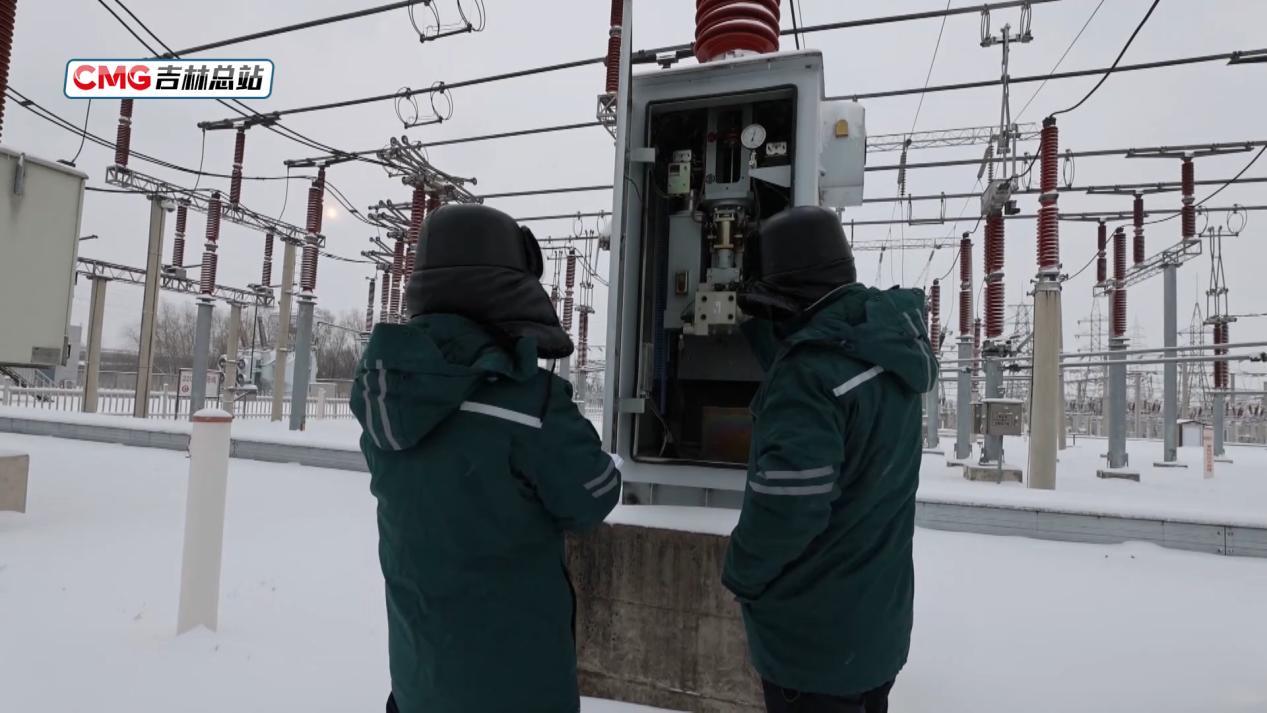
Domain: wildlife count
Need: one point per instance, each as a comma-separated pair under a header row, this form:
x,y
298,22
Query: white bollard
x,y
204,521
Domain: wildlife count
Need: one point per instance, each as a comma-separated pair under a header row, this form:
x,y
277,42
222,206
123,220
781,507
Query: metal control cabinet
x,y
41,203
710,150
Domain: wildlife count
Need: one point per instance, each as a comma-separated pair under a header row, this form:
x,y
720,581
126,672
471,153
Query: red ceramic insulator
x,y
613,62
8,18
266,273
1119,289
582,329
1138,216
369,308
178,245
965,286
569,282
1188,178
723,26
208,283
1048,238
995,294
384,296
314,209
1189,212
1102,255
308,269
398,270
123,137
934,314
417,213
1049,153
411,252
976,343
239,153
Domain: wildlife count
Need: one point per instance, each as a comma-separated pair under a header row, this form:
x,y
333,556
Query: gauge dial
x,y
753,137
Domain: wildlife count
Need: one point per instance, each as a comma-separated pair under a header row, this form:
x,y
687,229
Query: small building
x,y
1191,432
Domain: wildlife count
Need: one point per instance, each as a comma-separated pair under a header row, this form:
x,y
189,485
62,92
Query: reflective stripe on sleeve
x,y
857,381
382,406
793,490
505,414
797,474
609,476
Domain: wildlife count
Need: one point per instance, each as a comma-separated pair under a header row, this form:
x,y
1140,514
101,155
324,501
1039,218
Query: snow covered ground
x,y
88,585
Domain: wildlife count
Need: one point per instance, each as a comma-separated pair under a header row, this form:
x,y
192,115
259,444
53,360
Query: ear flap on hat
x,y
532,252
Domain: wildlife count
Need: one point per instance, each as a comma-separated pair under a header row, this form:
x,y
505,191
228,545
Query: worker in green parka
x,y
480,462
821,558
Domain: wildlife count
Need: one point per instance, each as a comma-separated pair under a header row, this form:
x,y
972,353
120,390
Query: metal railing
x,y
163,404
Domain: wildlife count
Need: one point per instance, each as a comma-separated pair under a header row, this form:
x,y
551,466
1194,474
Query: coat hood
x,y
885,328
413,376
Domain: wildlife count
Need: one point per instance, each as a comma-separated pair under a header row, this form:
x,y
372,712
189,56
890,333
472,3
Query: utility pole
x,y
149,305
282,342
96,318
1118,461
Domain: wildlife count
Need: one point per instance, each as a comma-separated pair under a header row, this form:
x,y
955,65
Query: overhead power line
x,y
644,55
1111,69
1230,57
356,14
57,120
1241,145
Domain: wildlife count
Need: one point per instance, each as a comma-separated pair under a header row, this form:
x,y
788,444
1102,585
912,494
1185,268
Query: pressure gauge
x,y
753,137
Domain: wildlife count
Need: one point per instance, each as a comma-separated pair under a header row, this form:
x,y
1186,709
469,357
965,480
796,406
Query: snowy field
x,y
88,586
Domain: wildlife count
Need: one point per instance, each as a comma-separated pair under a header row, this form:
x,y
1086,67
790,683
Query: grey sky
x,y
1203,103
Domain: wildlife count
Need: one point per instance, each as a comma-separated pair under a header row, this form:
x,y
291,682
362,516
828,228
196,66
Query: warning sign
x,y
186,386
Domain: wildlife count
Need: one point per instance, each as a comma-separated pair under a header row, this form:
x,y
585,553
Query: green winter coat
x,y
480,462
821,558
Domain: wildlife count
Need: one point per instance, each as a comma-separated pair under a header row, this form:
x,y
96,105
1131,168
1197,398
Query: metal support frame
x,y
237,214
96,319
171,281
991,357
149,307
282,340
616,268
202,346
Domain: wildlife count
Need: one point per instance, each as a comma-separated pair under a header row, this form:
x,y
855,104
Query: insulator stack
x,y
728,27
1119,283
266,273
369,308
1048,212
583,336
320,185
934,315
384,297
209,257
433,202
1220,367
417,213
8,18
1188,185
1102,254
123,138
995,295
1138,219
965,286
613,46
239,153
570,282
178,245
313,224
554,297
398,269
308,268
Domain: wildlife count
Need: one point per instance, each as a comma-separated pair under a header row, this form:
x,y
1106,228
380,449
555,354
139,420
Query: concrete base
x,y
654,626
1118,474
15,467
1169,464
992,473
